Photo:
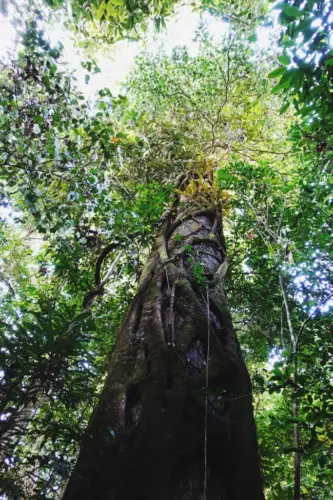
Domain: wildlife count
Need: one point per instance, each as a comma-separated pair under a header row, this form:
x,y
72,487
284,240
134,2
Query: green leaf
x,y
287,41
276,88
292,11
285,80
276,72
284,59
284,108
328,198
100,11
284,83
253,38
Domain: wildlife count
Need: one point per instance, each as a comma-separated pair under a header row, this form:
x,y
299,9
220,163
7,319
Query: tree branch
x,y
310,316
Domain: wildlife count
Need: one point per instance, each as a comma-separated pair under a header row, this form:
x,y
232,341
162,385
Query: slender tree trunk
x,y
297,440
157,433
13,429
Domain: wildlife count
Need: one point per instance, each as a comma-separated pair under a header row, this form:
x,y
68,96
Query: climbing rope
x,y
206,398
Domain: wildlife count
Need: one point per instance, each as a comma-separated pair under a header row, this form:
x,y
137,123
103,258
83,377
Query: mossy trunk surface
x,y
146,438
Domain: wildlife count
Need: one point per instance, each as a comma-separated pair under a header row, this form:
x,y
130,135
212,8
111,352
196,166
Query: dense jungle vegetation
x,y
135,225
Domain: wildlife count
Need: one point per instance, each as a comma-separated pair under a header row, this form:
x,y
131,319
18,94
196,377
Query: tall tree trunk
x,y
157,434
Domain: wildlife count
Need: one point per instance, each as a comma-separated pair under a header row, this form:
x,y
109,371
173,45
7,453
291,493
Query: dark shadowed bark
x,y
146,438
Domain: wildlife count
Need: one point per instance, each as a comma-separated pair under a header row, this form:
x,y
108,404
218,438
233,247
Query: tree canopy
x,y
84,186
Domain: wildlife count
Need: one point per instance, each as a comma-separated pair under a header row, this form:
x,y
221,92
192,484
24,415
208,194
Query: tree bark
x,y
146,438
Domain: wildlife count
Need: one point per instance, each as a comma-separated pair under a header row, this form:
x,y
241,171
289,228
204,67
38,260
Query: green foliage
x,y
110,21
113,20
199,273
306,74
76,177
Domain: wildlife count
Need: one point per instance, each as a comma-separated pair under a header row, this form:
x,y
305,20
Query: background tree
x,y
85,180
